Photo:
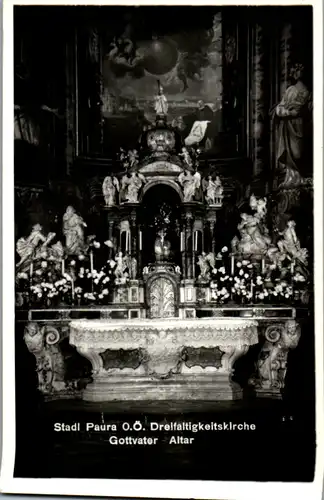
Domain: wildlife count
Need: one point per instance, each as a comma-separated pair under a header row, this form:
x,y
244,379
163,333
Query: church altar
x,y
158,309
167,359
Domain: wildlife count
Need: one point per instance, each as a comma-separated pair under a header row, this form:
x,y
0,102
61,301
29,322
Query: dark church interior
x,y
154,99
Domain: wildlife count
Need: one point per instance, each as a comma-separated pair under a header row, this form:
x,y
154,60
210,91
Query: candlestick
x,y
91,262
63,266
232,264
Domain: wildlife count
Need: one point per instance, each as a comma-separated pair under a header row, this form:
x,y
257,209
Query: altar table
x,y
171,359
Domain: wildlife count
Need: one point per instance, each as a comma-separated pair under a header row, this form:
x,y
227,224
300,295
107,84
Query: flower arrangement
x,y
244,281
74,280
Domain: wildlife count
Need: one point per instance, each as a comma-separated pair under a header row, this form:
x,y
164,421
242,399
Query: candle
x,y
232,264
182,242
31,269
262,265
127,241
196,241
140,240
63,266
292,267
72,287
91,261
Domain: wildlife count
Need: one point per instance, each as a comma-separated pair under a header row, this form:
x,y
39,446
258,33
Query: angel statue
x,y
130,263
206,263
73,230
254,236
190,184
290,244
109,187
131,186
29,248
160,102
120,269
214,190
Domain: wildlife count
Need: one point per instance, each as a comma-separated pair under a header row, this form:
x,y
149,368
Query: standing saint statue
x,y
292,115
213,189
73,230
109,187
132,185
160,102
190,184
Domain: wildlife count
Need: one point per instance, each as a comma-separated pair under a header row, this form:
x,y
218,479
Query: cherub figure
x,y
133,158
259,205
186,157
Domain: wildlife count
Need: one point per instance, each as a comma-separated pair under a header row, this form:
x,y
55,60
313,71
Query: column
x,y
285,55
183,250
193,252
133,243
213,243
258,106
139,251
189,233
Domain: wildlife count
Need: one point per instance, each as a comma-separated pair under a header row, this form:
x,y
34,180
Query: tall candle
x,y
63,266
72,287
196,241
182,242
91,262
31,269
232,264
127,242
292,267
263,266
140,240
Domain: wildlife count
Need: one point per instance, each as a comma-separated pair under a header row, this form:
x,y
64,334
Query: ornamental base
x,y
268,393
216,387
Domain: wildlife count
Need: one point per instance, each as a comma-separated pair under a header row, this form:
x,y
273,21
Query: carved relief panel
x,y
161,298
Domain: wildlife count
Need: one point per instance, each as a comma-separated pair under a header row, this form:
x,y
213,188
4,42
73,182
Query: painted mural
x,y
144,56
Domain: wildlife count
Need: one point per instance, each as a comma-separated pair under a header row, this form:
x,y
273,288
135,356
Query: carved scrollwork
x,y
271,366
52,335
273,333
41,341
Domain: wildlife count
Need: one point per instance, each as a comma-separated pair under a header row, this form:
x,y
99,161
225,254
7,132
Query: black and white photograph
x,y
164,245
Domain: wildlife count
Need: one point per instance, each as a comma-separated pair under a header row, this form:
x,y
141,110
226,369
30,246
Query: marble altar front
x,y
163,359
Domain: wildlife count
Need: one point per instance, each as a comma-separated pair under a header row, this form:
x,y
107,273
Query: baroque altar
x,y
159,313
